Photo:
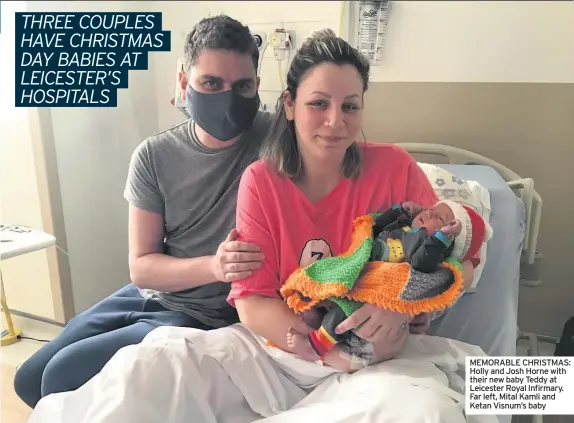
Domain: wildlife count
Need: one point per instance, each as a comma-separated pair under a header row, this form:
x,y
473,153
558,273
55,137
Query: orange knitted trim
x,y
300,284
381,284
362,229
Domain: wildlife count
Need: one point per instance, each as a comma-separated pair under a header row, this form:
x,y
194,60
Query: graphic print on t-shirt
x,y
314,249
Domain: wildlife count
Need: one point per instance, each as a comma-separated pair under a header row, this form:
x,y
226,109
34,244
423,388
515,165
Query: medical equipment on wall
x,y
281,41
372,24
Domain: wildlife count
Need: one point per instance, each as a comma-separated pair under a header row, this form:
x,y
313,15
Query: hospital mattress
x,y
488,317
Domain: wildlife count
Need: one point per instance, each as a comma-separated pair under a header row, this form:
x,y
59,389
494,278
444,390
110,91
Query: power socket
x,y
260,38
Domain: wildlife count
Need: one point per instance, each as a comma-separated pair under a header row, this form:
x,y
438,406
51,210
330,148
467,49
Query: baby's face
x,y
433,219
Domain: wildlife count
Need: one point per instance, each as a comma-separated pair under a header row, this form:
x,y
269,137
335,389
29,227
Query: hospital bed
x,y
489,317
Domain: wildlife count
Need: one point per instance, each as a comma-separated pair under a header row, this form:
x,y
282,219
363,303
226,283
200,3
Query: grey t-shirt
x,y
195,189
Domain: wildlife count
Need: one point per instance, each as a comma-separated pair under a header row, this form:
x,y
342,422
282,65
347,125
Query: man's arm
x,y
150,268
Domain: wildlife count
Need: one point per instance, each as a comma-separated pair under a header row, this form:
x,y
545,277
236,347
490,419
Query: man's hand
x,y
376,324
235,260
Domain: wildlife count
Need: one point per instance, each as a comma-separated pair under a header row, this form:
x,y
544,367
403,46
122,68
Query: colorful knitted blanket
x,y
351,279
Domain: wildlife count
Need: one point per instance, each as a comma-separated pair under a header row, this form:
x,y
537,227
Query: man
x,y
182,189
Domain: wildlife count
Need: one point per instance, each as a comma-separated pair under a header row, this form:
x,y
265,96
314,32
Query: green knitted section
x,y
454,262
348,306
344,270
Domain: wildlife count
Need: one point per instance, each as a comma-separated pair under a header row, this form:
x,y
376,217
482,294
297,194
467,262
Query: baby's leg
x,y
356,353
301,345
312,318
320,341
339,359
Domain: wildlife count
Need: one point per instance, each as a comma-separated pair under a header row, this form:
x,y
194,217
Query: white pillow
x,y
448,186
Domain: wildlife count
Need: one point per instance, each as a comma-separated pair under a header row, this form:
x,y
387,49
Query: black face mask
x,y
223,115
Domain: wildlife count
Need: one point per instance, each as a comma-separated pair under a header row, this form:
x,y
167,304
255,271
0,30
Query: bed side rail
x,y
522,187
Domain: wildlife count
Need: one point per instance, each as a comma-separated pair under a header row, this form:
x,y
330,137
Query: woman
x,y
297,203
314,178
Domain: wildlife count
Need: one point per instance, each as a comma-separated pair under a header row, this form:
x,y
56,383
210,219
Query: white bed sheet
x,y
488,317
179,375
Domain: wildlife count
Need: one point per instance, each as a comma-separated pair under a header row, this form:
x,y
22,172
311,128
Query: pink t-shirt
x,y
292,232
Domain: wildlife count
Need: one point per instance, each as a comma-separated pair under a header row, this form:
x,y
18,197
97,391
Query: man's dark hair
x,y
219,32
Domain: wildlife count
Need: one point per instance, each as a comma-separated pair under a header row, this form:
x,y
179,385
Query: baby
x,y
398,238
404,233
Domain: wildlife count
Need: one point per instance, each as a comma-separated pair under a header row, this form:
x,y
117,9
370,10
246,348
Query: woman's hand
x,y
376,324
420,324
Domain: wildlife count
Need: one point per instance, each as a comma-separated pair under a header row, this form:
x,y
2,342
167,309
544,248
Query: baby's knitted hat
x,y
475,231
